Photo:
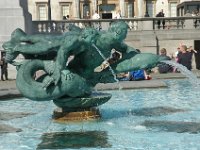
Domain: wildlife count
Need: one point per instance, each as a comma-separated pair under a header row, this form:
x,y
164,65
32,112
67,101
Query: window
x,y
86,11
107,7
151,8
172,9
129,10
65,9
42,11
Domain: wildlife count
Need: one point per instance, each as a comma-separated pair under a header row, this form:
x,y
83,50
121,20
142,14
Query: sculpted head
x,y
119,29
88,35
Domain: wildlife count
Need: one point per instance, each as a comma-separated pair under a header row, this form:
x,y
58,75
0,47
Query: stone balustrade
x,y
138,24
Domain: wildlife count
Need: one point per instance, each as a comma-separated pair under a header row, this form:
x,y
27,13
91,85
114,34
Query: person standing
x,y
118,15
96,15
4,68
161,14
193,52
64,18
87,15
67,17
185,57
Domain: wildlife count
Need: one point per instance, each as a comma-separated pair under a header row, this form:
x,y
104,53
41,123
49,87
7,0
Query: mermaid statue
x,y
72,64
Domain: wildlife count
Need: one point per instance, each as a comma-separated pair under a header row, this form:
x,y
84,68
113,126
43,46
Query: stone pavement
x,y
8,88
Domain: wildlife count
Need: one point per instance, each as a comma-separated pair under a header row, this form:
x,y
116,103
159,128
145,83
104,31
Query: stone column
x,y
76,9
49,10
12,16
121,6
94,6
140,8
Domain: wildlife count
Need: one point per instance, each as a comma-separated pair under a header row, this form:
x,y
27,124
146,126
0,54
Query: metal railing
x,y
135,24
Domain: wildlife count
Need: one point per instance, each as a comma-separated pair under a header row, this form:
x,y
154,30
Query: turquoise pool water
x,y
143,119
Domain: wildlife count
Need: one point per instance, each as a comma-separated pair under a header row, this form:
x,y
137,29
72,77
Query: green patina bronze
x,y
71,86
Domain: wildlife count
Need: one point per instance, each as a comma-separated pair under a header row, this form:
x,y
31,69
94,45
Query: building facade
x,y
84,9
188,7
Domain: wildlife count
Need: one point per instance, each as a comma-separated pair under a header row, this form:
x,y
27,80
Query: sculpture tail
x,y
9,46
70,84
137,62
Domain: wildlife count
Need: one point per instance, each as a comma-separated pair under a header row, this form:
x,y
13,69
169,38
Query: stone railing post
x,y
147,25
189,24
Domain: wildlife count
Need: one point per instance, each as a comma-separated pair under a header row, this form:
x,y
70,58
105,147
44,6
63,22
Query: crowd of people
x,y
183,56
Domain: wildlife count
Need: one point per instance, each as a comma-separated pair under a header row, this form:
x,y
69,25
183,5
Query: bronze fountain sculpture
x,y
71,86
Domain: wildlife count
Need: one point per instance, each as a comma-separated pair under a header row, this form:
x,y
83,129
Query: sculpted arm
x,y
124,48
130,49
71,45
30,44
60,64
38,44
67,49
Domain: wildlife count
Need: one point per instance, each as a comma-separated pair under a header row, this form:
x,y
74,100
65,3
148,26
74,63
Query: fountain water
x,y
110,68
105,59
192,77
166,118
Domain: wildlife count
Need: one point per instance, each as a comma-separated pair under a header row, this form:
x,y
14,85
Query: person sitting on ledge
x,y
163,67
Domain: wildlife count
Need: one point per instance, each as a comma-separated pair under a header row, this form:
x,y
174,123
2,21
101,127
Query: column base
x,y
61,116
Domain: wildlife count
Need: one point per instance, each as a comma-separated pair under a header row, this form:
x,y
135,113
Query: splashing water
x,y
110,68
191,76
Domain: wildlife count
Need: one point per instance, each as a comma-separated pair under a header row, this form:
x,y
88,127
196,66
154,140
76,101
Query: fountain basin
x,y
161,118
